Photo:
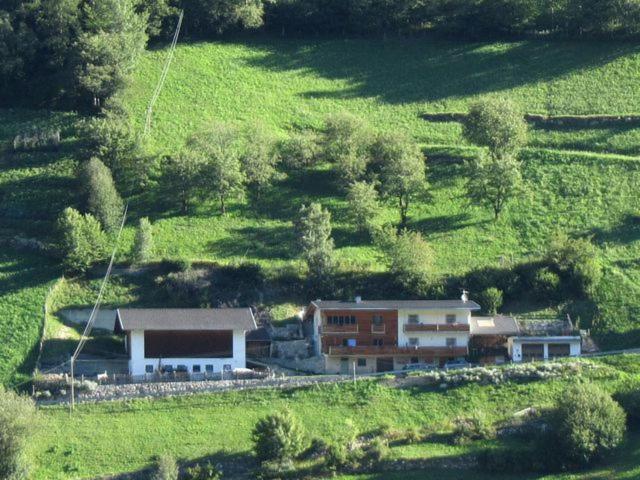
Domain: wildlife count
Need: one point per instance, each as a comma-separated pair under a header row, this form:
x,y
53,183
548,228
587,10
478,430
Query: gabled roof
x,y
395,304
184,319
497,325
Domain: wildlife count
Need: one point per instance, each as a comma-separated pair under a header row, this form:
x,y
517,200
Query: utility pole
x,y
72,401
354,372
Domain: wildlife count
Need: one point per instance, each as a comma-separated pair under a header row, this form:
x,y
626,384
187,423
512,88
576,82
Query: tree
x,y
82,241
218,16
364,207
166,468
103,200
278,437
182,177
300,150
496,124
491,300
162,17
143,243
17,425
402,169
411,261
259,158
494,181
586,425
346,143
220,149
109,47
313,227
577,259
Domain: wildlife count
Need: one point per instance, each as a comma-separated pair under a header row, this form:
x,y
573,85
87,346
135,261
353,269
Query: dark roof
x,y
498,325
260,334
184,319
395,304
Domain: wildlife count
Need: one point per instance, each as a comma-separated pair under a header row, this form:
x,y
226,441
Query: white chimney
x,y
358,299
465,296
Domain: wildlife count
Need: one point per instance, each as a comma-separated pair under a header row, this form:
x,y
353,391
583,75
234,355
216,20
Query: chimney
x,y
358,299
465,296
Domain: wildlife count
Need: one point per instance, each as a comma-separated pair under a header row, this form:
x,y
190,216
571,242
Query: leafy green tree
x,y
364,206
491,300
143,243
162,17
17,426
493,182
182,177
103,200
221,149
402,169
313,227
496,124
411,260
300,150
259,159
587,425
218,16
278,437
166,468
346,142
109,47
577,259
82,240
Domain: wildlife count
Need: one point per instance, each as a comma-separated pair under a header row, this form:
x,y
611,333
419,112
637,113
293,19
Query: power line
x,y
163,75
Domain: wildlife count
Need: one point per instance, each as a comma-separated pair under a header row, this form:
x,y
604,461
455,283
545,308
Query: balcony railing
x,y
436,327
378,328
337,329
395,350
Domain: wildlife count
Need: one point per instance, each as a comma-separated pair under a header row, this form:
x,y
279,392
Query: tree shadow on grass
x,y
266,242
443,223
623,233
412,70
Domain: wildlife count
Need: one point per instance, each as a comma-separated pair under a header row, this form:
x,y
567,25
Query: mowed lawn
x,y
218,426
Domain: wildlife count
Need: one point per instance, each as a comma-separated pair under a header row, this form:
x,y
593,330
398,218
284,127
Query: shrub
x,y
313,227
37,140
577,259
472,428
586,425
278,437
82,241
337,457
203,471
411,261
189,287
346,143
143,243
629,400
364,207
491,300
373,453
166,468
17,424
103,200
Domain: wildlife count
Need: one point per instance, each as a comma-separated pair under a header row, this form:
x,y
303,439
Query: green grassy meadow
x,y
218,426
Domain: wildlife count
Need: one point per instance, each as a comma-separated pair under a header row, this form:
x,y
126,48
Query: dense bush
x,y
301,150
586,425
37,140
476,427
82,241
278,437
491,300
346,142
143,242
411,261
203,471
17,424
629,400
545,284
313,227
103,200
364,207
189,288
577,260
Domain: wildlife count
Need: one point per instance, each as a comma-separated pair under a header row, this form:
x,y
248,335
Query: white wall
x,y
138,361
433,317
515,346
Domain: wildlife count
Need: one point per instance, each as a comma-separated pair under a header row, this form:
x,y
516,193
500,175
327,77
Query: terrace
x,y
436,327
453,351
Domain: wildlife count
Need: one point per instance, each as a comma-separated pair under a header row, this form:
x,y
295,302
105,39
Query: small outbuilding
x,y
192,340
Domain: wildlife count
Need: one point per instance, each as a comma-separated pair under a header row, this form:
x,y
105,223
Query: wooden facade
x,y
364,332
188,343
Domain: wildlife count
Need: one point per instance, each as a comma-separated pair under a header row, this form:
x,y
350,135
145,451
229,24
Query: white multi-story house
x,y
193,340
383,335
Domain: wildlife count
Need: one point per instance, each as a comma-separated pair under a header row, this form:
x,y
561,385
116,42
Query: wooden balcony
x,y
337,329
436,327
395,350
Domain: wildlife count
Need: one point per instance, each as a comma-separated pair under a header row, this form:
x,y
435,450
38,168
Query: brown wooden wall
x,y
189,344
364,320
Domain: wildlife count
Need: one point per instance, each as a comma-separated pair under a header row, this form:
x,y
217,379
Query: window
x,y
208,368
362,362
348,342
353,319
414,342
451,342
451,318
414,360
377,342
148,368
377,320
182,368
414,319
195,369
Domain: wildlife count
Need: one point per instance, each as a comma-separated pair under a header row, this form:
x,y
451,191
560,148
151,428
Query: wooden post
x,y
72,402
354,372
